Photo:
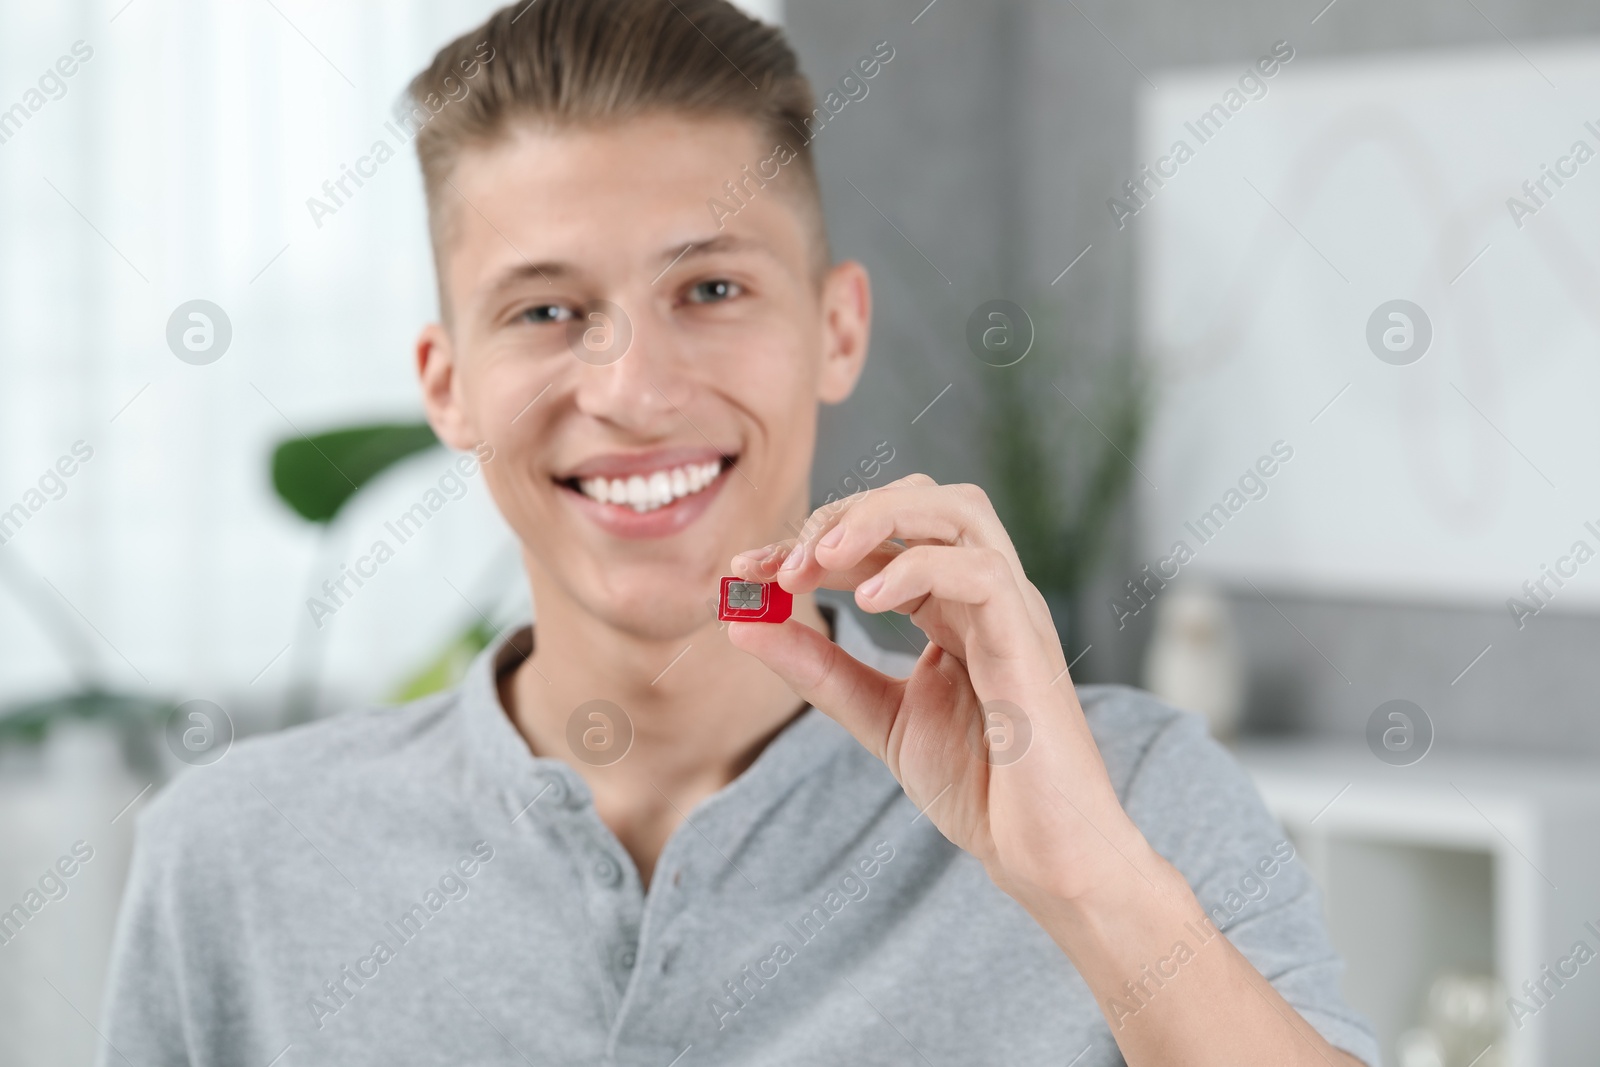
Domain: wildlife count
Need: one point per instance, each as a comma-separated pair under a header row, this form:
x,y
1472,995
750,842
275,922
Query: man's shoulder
x,y
350,758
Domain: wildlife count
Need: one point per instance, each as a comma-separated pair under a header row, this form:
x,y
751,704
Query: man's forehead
x,y
616,157
545,202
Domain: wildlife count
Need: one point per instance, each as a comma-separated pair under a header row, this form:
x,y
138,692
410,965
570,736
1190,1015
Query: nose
x,y
630,372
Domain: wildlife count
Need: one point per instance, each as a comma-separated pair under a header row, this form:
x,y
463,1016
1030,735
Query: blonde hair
x,y
593,62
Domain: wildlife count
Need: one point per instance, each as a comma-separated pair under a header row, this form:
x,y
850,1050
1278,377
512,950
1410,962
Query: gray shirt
x,y
412,886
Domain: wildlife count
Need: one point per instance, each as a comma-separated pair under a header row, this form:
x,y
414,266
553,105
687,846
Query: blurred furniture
x,y
1470,861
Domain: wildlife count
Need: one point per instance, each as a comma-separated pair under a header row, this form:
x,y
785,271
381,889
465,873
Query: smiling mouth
x,y
645,491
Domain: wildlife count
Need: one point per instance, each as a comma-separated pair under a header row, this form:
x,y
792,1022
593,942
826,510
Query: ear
x,y
441,388
846,327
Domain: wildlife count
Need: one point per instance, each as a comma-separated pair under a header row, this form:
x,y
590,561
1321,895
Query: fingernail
x,y
797,557
869,588
759,555
832,538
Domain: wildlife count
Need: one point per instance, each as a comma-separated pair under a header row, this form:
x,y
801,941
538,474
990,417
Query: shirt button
x,y
626,958
556,792
608,871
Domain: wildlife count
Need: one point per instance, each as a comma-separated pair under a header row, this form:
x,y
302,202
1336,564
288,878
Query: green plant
x,y
30,721
1060,437
317,477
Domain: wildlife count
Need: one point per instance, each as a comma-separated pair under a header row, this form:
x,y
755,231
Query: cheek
x,y
502,393
509,414
515,495
779,389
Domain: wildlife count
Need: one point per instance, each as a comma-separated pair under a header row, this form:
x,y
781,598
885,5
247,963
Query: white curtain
x,y
176,164
155,152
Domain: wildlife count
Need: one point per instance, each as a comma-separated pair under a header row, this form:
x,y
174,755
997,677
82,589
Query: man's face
x,y
631,474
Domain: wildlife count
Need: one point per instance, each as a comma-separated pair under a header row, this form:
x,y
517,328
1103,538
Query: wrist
x,y
1108,861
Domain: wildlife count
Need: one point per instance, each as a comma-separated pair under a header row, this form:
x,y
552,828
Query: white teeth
x,y
646,493
660,489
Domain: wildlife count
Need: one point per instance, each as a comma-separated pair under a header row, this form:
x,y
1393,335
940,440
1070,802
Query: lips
x,y
647,494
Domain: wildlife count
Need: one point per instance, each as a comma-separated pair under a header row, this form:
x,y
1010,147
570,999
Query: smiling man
x,y
632,836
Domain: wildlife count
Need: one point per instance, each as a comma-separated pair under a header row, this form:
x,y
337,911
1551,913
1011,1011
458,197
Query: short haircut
x,y
576,63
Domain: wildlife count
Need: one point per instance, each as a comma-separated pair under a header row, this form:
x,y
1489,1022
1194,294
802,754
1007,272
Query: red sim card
x,y
743,601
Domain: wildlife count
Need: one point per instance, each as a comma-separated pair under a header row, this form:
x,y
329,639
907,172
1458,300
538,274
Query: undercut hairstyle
x,y
588,63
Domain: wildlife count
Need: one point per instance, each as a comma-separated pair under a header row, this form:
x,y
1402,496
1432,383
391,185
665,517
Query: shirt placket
x,y
612,896
641,1034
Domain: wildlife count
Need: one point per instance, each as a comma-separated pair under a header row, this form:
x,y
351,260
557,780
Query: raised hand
x,y
987,733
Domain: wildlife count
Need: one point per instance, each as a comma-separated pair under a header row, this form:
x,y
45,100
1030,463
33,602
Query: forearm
x,y
1172,987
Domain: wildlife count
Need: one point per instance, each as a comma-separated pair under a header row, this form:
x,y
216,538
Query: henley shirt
x,y
412,885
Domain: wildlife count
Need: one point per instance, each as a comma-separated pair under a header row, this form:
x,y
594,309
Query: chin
x,y
665,616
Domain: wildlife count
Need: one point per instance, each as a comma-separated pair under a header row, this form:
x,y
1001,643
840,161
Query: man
x,y
631,836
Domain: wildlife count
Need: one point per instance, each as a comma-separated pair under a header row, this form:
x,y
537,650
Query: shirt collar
x,y
500,759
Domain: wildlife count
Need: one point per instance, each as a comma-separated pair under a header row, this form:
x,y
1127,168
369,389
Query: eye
x,y
714,291
542,313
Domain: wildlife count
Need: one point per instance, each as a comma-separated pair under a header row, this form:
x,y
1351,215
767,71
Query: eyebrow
x,y
726,242
526,271
553,270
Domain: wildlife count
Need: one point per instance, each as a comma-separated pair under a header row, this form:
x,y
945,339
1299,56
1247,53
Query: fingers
x,y
754,567
845,543
839,536
960,575
860,699
978,578
763,564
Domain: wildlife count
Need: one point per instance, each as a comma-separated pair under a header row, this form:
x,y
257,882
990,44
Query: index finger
x,y
914,510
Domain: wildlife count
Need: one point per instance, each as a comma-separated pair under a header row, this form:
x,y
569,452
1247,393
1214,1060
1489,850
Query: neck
x,y
701,711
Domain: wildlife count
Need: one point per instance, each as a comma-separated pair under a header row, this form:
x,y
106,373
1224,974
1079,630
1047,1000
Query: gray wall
x,y
992,141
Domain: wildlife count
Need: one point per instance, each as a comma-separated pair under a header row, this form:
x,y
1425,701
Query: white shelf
x,y
1462,860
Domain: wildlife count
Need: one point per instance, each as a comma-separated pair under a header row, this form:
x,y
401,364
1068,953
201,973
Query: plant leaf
x,y
30,721
317,475
449,666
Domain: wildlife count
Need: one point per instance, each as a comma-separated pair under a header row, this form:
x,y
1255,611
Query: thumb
x,y
860,699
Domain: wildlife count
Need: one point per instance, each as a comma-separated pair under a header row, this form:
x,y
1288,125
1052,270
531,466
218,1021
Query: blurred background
x,y
1270,328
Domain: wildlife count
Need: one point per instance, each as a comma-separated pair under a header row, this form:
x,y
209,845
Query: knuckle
x,y
973,494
